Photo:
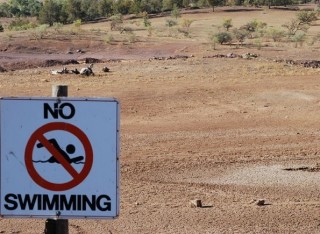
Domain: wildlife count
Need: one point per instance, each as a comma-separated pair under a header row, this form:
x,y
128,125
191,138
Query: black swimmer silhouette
x,y
70,149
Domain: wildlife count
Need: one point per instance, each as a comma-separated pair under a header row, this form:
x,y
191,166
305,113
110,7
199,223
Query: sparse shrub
x,y
116,21
170,23
227,24
21,24
186,23
307,17
254,26
77,25
108,39
240,35
317,10
315,39
258,43
57,27
294,25
298,38
275,34
131,37
126,30
150,30
222,37
185,29
39,32
1,28
146,21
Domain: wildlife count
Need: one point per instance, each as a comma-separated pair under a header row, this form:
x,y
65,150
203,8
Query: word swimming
x,y
57,202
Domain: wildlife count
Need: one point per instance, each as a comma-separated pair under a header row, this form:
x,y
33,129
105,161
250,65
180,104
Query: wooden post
x,y
59,91
58,226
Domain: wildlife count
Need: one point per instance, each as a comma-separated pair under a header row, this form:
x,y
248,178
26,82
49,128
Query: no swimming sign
x,y
59,156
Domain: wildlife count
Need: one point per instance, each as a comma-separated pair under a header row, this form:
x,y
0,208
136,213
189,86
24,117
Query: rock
x,y
249,56
105,69
195,203
2,69
260,202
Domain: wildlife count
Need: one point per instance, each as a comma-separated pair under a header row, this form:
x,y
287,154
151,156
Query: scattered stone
x,y
231,55
87,71
105,69
260,202
65,71
195,203
62,71
249,56
75,71
2,69
80,51
172,57
304,63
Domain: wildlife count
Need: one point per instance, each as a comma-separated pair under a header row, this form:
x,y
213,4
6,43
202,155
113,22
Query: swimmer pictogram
x,y
70,149
58,155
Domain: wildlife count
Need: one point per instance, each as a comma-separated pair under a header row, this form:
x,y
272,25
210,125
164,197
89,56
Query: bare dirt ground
x,y
227,131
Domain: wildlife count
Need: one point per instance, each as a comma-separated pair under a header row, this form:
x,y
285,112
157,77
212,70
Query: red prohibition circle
x,y
38,135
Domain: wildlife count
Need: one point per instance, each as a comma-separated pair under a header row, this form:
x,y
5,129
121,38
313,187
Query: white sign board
x,y
59,157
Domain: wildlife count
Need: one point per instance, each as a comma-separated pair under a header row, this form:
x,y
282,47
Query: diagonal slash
x,y
55,153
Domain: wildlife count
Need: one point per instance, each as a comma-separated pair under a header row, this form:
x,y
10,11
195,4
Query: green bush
x,y
298,38
240,35
253,27
1,28
222,37
275,34
227,23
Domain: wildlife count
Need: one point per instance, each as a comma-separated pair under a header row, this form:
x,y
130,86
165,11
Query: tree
x,y
214,3
89,10
34,7
150,6
294,25
122,6
5,10
175,11
167,5
307,17
49,13
73,8
105,7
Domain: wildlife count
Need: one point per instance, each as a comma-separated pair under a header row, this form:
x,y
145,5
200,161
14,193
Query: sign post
x,y
59,158
56,226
